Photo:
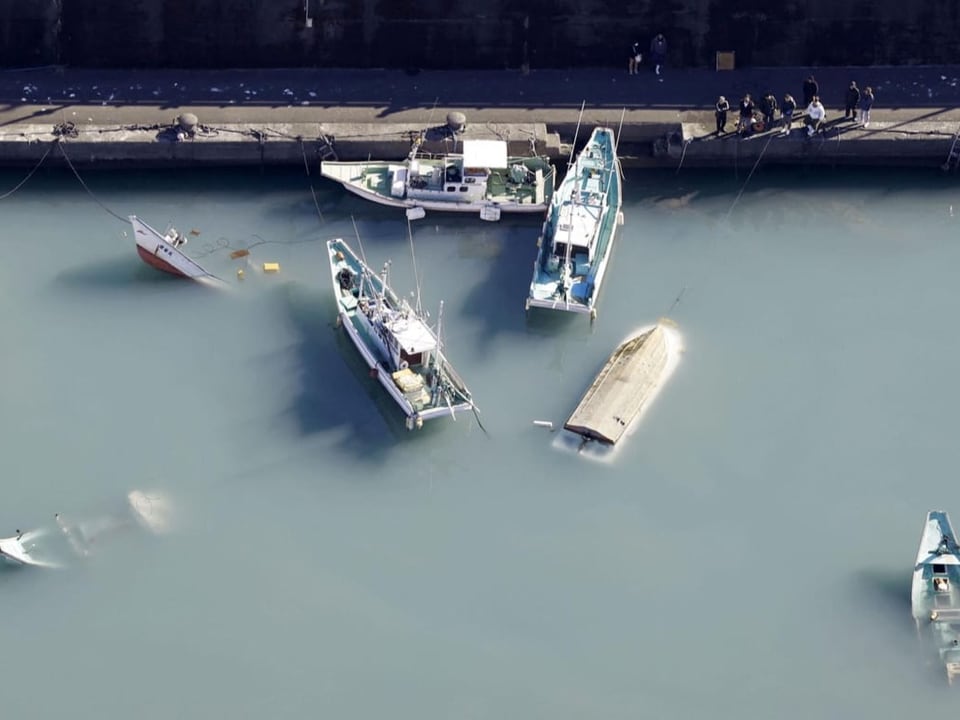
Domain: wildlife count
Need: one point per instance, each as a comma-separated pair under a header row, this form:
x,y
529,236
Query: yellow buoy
x,y
240,273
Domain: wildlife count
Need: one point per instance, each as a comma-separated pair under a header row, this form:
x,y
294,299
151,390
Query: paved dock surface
x,y
648,103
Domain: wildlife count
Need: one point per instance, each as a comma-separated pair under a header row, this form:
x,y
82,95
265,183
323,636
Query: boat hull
x,y
156,251
935,591
373,356
452,183
579,231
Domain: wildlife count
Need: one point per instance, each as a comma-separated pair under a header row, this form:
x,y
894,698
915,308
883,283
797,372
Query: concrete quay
x,y
260,117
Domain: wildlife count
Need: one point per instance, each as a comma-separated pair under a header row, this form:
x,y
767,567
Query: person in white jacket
x,y
816,115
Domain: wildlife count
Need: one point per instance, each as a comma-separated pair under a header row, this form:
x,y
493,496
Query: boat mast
x,y
416,274
576,133
363,257
616,144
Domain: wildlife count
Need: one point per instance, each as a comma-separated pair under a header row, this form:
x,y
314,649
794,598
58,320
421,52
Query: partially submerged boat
x,y
935,591
579,230
482,179
164,251
44,547
397,344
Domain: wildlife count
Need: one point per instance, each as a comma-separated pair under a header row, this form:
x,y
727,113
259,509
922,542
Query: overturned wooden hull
x,y
625,384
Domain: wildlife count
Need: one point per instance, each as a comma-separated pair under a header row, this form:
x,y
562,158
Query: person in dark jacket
x,y
658,51
636,57
768,106
810,88
721,112
852,101
789,107
746,114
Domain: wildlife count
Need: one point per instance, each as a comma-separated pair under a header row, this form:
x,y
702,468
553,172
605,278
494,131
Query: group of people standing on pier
x,y
756,117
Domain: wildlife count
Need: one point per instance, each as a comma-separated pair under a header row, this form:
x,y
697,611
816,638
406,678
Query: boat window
x,y
939,569
463,188
941,584
411,358
451,188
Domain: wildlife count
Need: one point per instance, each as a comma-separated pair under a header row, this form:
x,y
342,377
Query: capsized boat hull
x,y
422,390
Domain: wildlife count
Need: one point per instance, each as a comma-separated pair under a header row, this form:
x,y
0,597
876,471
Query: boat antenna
x,y
356,232
422,135
576,132
440,333
363,257
416,274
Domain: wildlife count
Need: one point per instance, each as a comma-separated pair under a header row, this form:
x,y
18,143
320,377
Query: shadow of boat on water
x,y
122,274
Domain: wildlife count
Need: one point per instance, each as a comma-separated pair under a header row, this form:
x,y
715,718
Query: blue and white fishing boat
x,y
578,233
935,594
397,344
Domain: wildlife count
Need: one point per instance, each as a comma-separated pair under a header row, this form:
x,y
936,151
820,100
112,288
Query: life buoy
x,y
404,364
759,126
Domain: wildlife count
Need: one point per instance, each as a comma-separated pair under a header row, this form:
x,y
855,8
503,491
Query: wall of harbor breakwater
x,y
494,34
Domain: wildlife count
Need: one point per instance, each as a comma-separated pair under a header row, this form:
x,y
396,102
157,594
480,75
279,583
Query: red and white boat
x,y
163,251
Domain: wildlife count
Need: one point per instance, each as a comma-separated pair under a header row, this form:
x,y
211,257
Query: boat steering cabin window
x,y
941,584
939,569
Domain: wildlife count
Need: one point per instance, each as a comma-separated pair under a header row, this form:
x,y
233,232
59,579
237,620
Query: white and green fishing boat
x,y
482,179
395,340
935,595
579,230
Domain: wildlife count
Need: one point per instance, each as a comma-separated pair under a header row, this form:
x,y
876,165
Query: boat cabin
x,y
409,341
459,178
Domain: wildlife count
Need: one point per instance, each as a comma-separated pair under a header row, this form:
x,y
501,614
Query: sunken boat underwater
x,y
935,594
56,546
626,385
395,340
578,233
482,180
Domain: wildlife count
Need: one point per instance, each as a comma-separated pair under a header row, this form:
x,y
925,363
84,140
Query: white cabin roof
x,y
485,153
412,334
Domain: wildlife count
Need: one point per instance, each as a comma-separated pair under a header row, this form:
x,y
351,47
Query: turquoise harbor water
x,y
747,553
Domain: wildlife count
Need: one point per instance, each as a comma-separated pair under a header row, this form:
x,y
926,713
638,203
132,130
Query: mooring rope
x,y
63,152
752,170
313,192
710,268
683,154
29,174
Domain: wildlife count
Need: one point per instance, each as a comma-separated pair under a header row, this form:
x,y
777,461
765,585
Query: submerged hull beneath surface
x,y
585,214
157,252
935,591
19,551
388,377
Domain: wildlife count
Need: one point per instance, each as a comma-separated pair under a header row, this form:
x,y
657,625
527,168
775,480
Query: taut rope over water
x,y
61,144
